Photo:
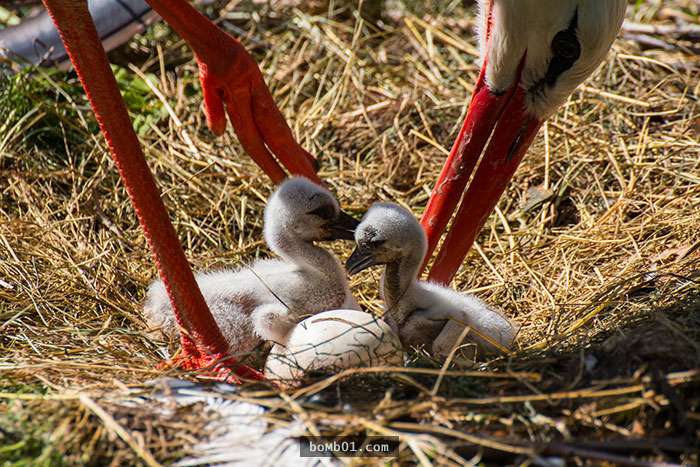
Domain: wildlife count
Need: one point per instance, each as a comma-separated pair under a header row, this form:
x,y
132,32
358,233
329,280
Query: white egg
x,y
333,341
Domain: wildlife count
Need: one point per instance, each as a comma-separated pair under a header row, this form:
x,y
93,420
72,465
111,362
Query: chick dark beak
x,y
361,259
342,227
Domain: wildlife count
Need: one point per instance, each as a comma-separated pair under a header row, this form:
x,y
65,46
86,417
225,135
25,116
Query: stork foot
x,y
214,367
233,84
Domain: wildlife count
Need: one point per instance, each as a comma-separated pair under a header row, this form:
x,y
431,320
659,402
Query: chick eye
x,y
325,212
565,45
374,244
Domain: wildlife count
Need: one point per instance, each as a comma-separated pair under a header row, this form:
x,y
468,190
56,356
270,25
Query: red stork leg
x,y
455,173
512,135
231,79
203,344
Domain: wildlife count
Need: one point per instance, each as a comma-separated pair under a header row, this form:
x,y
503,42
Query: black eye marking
x,y
369,233
566,49
325,212
369,238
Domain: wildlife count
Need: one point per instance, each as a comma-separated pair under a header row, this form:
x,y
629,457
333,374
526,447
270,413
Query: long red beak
x,y
500,123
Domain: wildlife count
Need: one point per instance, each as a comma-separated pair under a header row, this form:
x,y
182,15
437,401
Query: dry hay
x,y
594,248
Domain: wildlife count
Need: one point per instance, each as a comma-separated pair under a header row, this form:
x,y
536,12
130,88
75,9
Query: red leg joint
x,y
207,346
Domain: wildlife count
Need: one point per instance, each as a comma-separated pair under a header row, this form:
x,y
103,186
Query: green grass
x,y
25,436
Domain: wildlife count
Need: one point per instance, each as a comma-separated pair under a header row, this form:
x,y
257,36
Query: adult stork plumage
x,y
534,52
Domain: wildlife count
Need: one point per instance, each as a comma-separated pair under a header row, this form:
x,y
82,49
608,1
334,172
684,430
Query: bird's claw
x,y
225,369
235,86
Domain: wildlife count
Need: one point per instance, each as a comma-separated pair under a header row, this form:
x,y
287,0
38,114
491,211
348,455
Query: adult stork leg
x,y
202,342
231,79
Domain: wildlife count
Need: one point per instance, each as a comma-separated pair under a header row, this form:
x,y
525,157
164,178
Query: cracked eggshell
x,y
333,341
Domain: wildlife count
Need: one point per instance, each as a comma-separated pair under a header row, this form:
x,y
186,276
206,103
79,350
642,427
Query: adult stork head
x,y
534,53
543,49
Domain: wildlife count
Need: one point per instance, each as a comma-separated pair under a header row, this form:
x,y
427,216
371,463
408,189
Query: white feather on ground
x,y
239,433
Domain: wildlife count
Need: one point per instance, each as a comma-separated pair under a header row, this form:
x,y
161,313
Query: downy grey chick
x,y
423,313
264,300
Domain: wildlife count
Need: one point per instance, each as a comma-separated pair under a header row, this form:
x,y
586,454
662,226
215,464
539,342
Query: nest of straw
x,y
593,249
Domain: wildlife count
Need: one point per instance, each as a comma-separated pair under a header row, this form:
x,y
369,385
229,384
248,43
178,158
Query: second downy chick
x,y
423,313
